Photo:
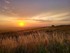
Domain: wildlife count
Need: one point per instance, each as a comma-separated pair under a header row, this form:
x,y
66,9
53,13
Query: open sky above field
x,y
33,13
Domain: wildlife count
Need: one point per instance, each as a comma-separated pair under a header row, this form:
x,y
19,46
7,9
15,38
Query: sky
x,y
34,13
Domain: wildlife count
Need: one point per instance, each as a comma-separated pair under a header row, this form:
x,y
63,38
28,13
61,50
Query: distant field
x,y
53,39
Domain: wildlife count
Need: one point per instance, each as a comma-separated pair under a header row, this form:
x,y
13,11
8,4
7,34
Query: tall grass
x,y
35,42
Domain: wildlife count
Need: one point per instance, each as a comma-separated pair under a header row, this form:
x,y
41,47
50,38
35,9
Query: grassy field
x,y
54,39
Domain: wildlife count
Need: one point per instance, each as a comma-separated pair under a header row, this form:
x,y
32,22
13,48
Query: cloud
x,y
66,19
42,20
50,16
7,1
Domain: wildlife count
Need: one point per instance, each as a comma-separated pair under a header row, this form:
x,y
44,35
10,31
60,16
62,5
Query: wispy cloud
x,y
51,17
7,1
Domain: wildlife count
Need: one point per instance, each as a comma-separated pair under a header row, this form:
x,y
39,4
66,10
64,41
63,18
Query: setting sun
x,y
21,23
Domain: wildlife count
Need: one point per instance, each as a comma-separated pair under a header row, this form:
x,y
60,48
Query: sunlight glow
x,y
21,23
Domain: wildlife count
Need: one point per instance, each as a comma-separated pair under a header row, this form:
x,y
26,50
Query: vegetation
x,y
44,40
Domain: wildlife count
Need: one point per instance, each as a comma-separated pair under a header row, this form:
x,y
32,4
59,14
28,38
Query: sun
x,y
21,23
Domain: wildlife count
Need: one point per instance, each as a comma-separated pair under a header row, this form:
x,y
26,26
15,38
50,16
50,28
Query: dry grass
x,y
39,41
